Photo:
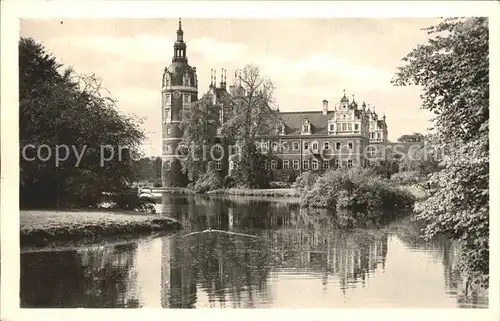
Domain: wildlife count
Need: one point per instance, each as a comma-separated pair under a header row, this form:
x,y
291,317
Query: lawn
x,y
41,227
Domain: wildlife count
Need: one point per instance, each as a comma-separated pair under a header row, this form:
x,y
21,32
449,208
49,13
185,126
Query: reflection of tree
x,y
443,250
110,276
97,277
52,280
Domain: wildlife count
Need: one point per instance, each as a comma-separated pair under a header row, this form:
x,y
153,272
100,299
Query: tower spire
x,y
180,32
180,45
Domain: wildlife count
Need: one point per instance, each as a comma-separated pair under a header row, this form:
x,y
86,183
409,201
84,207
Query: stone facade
x,y
346,135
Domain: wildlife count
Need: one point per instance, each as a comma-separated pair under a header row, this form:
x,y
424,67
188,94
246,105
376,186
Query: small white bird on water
x,y
209,230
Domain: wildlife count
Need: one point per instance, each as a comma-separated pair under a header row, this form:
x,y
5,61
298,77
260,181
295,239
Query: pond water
x,y
283,257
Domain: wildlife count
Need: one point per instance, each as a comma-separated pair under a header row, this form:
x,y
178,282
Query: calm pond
x,y
295,259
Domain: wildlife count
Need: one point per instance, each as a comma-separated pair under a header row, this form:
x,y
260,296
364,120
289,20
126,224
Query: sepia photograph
x,y
241,163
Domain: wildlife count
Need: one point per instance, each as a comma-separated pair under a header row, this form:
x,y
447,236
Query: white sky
x,y
308,60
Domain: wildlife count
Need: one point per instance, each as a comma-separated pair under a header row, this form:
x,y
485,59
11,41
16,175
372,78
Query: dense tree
x,y
412,138
62,108
253,116
149,169
453,70
199,125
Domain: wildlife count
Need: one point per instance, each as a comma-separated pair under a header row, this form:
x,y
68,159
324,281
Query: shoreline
x,y
40,228
417,191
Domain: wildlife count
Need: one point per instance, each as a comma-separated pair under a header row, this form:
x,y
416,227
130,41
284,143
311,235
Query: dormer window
x,y
281,129
306,127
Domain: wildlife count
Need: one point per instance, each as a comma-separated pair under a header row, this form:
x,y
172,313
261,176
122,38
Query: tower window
x,y
168,115
295,146
306,145
350,145
326,164
218,165
326,145
337,145
349,163
187,80
187,98
356,126
286,164
296,164
274,164
167,99
305,165
332,127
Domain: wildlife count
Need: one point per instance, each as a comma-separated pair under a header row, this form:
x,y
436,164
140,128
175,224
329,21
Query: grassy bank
x,y
39,228
276,192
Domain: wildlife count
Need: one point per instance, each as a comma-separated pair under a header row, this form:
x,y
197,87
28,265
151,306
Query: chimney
x,y
325,106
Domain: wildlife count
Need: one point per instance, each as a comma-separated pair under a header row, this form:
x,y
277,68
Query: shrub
x,y
228,182
305,181
130,200
358,190
407,178
208,182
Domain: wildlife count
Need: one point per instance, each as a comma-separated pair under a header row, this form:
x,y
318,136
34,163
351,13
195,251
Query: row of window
x,y
186,98
295,164
342,127
376,135
306,146
287,164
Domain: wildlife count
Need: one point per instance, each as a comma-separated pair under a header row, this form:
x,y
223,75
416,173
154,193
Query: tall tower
x,y
179,90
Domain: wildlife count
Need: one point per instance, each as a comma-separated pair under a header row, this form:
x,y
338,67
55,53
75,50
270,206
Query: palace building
x,y
346,134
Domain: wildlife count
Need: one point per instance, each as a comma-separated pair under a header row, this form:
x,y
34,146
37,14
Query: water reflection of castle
x,y
212,270
224,267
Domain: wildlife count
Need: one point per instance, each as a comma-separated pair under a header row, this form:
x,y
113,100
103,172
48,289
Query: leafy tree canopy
x,y
59,107
453,71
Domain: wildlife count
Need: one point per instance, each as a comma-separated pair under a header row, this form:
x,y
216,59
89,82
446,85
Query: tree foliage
x,y
254,115
411,138
61,107
199,125
149,169
453,70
